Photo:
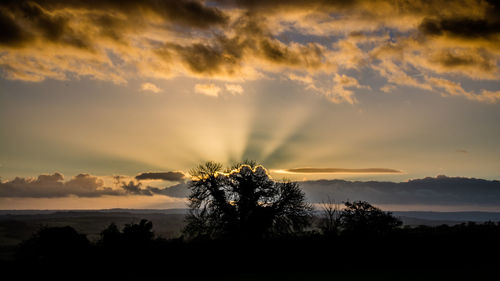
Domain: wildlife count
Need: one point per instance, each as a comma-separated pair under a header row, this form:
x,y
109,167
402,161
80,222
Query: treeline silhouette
x,y
365,239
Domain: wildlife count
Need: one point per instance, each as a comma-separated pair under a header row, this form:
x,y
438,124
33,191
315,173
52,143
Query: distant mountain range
x,y
453,217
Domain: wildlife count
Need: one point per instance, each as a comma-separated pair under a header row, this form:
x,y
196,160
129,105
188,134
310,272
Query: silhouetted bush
x,y
111,237
62,244
132,235
361,218
140,233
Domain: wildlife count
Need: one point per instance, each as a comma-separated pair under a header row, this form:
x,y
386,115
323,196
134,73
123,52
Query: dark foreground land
x,y
467,251
19,225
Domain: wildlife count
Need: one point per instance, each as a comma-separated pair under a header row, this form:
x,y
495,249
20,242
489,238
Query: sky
x,y
94,94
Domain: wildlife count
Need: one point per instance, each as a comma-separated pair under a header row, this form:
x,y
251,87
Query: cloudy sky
x,y
94,94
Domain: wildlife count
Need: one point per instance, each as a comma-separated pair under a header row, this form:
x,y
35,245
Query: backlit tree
x,y
243,202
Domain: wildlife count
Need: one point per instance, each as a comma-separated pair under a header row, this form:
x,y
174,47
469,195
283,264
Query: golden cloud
x,y
150,87
113,40
210,90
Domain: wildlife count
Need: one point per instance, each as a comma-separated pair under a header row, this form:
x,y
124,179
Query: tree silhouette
x,y
111,237
132,234
361,218
243,202
330,220
140,233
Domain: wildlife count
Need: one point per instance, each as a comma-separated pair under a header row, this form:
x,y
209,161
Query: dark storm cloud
x,y
166,176
479,59
43,17
257,39
369,9
252,40
440,190
202,58
56,39
36,22
309,56
188,12
11,34
342,170
48,20
462,27
291,4
485,26
50,186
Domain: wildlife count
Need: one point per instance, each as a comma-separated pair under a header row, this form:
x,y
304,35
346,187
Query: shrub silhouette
x,y
133,234
243,202
361,218
55,243
140,233
111,236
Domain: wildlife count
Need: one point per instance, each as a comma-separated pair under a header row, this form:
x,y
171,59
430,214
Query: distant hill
x,y
432,218
86,212
17,225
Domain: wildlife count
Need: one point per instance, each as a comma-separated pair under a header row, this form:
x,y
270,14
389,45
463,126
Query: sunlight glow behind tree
x,y
243,202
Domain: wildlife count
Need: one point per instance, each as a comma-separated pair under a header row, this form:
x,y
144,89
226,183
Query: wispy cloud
x,y
166,176
234,89
338,171
150,87
210,90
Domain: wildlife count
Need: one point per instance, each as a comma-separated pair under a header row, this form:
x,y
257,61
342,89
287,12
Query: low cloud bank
x,y
50,186
85,185
440,190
